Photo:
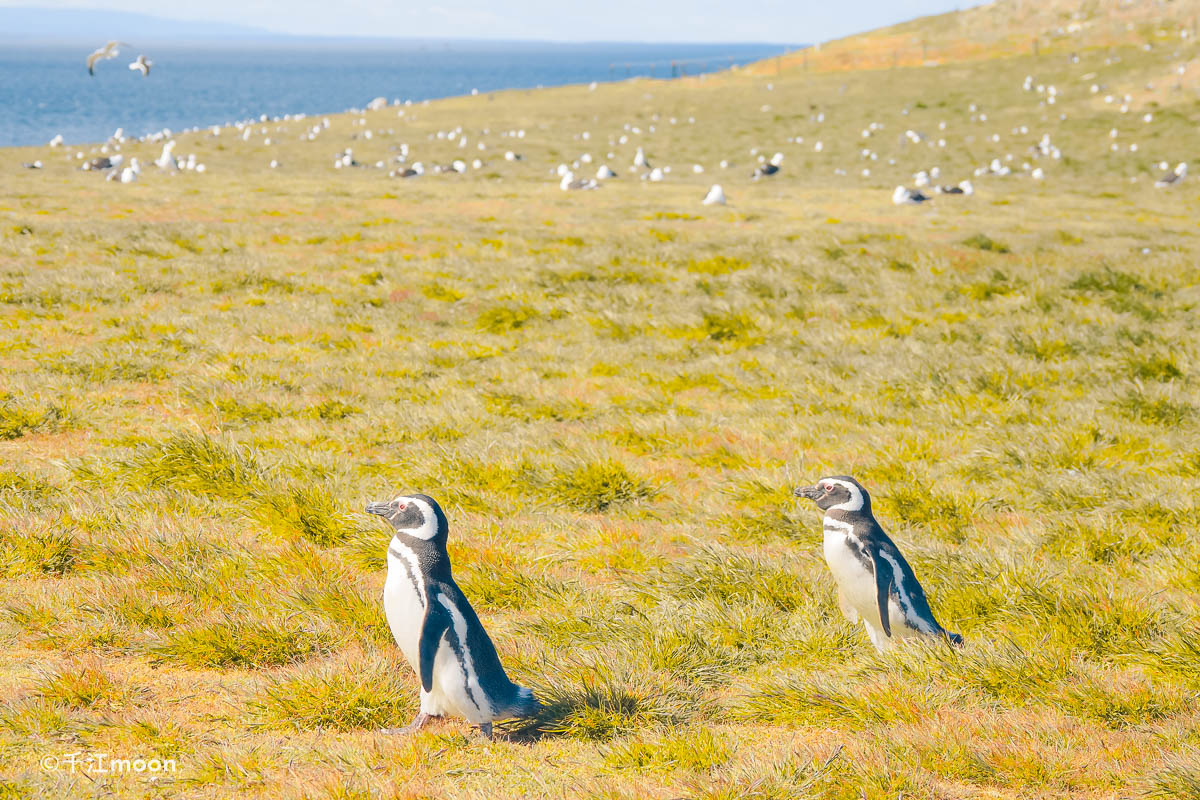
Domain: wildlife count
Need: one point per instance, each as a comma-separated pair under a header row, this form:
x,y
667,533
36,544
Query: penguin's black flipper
x,y
883,588
436,623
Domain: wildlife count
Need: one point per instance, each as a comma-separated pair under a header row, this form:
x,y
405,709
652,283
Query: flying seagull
x,y
142,65
110,50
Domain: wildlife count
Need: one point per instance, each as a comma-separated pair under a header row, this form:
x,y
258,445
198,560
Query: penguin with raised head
x,y
875,582
435,626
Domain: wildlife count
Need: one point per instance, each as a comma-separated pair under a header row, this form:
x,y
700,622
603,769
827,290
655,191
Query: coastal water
x,y
46,90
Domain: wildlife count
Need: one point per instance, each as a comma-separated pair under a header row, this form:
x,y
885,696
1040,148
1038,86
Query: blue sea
x,y
46,90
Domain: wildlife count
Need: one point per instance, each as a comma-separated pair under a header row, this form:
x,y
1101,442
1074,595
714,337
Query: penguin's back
x,y
467,669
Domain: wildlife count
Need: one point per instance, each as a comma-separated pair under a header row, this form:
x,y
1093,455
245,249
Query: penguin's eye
x,y
402,506
828,487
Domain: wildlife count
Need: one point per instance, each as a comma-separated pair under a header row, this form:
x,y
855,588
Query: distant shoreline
x,y
196,85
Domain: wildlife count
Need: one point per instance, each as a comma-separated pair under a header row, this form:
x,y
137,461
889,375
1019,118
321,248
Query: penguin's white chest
x,y
404,601
854,580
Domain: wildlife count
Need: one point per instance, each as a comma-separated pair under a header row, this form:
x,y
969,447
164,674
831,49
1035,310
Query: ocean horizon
x,y
45,89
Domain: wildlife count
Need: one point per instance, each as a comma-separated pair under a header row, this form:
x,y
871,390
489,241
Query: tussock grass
x,y
821,702
363,696
194,462
1178,778
17,420
305,511
692,750
38,552
596,486
237,644
83,685
981,241
599,704
728,576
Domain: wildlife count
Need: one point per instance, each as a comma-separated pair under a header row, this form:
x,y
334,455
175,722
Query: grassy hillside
x,y
207,376
1005,28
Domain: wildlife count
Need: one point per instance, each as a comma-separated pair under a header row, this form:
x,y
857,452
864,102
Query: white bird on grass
x,y
1173,177
715,196
903,196
569,182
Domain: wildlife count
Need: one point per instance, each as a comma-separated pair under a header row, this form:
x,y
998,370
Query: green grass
x,y
613,393
236,644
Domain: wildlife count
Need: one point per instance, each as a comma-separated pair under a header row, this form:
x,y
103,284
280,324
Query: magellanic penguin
x,y
875,582
436,627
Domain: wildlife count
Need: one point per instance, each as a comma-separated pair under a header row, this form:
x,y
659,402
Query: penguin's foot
x,y
418,722
486,729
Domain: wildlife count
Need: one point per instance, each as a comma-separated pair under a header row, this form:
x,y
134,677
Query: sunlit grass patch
x,y
693,749
35,718
346,608
1154,367
19,419
597,486
981,241
502,319
728,326
821,701
235,643
525,409
506,586
599,704
44,551
83,685
1007,672
1155,409
1176,779
946,514
719,264
307,511
728,576
367,695
332,410
246,412
26,484
1175,655
194,462
1123,705
148,611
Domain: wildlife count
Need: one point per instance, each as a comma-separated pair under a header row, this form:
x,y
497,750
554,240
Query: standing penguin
x,y
436,627
875,582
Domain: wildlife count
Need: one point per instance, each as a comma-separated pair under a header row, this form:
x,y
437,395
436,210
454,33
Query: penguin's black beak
x,y
381,509
811,492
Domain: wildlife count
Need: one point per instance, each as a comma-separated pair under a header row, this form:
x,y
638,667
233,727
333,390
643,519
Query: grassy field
x,y
206,377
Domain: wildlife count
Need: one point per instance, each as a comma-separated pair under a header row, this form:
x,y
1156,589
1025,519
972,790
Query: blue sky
x,y
786,21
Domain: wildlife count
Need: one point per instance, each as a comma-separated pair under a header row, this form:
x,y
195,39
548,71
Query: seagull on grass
x,y
1173,177
570,183
715,196
903,196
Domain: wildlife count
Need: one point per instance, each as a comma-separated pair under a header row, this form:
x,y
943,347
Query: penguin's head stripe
x,y
418,515
838,493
